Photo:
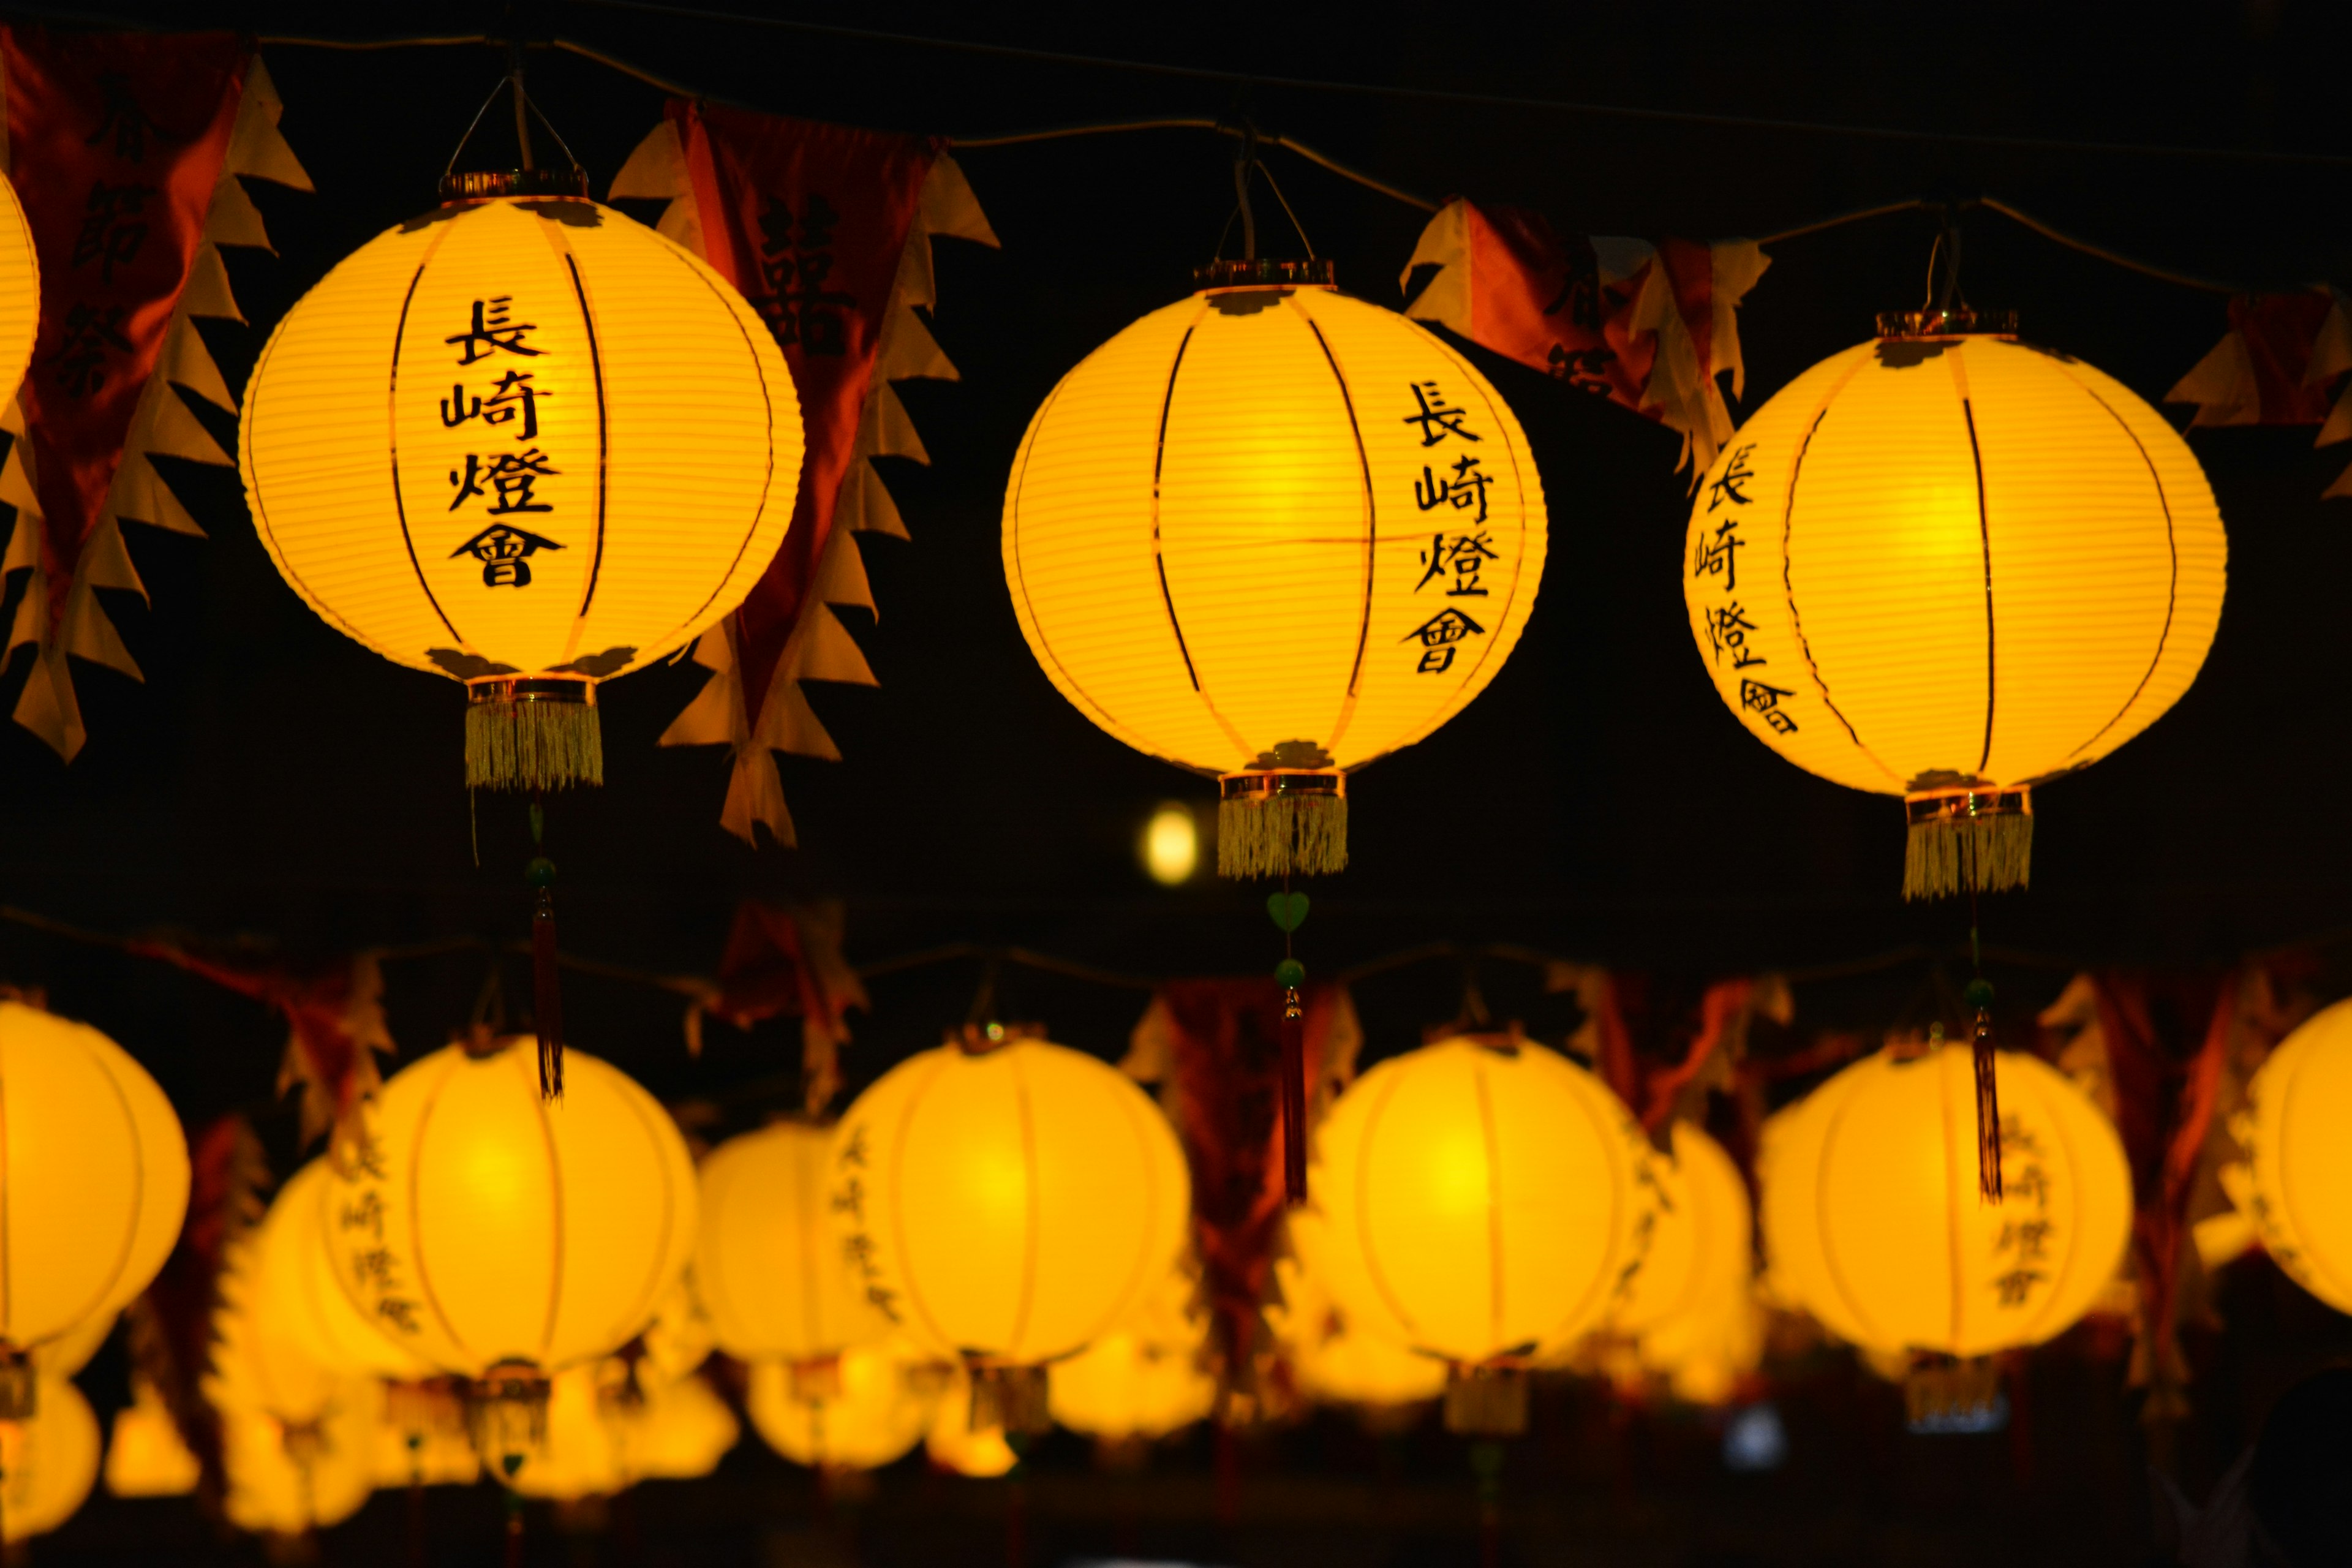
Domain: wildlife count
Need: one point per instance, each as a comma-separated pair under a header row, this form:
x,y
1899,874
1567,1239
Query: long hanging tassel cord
x,y
1979,996
511,1463
547,981
1288,909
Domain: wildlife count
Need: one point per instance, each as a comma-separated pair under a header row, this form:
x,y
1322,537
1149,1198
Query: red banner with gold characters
x,y
1647,326
827,230
123,148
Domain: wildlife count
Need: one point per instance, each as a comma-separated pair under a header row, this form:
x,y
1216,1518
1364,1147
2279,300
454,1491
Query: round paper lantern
x,y
290,1479
1700,1249
498,1236
258,1363
307,1308
1953,566
2295,1154
606,1432
1332,1361
874,1408
93,1184
526,443
962,1447
767,1262
1272,533
423,1440
1145,1379
1873,1222
20,291
1480,1197
52,1459
1007,1201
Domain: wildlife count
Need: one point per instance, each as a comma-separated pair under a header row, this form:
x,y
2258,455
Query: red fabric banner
x,y
809,221
1216,1047
787,963
2264,369
116,143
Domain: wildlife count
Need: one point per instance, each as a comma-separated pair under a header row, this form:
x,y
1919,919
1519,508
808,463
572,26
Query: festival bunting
x,y
781,961
127,150
827,231
2274,366
1215,1048
1649,327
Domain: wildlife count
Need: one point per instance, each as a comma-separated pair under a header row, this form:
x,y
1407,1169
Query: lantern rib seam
x,y
1836,1113
555,1220
1495,1312
2172,583
1159,463
1371,524
603,445
1364,1248
649,1294
138,1187
424,1114
1984,540
768,404
1788,589
1026,1304
1947,1065
391,411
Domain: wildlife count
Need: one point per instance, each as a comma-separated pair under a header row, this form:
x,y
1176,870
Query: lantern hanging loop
x,y
1246,163
511,82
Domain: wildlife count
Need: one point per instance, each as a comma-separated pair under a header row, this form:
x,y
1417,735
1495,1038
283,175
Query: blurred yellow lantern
x,y
606,1431
1008,1201
93,1185
1146,1378
767,1262
146,1456
874,1408
1949,565
2298,1157
67,1355
1694,1312
1272,533
1479,1197
1333,1362
1872,1221
305,1308
423,1440
963,1445
501,1238
52,1460
20,291
258,1364
289,1478
527,443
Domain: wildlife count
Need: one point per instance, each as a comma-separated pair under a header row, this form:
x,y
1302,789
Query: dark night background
x,y
273,781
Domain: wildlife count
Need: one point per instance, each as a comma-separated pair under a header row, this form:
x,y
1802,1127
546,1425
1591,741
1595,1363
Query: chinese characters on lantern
x,y
1729,627
1453,485
2022,1250
795,258
505,483
858,1247
379,1273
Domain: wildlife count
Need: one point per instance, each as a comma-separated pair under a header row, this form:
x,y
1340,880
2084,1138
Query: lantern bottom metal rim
x,y
1966,801
532,688
1267,783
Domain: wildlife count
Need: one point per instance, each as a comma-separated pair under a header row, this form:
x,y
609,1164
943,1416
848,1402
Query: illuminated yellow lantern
x,y
876,1408
526,443
766,1260
1480,1197
1332,1361
20,291
1145,1379
93,1185
307,1308
258,1364
2297,1155
1952,566
146,1456
423,1441
1874,1222
66,1356
52,1459
502,1238
1272,533
1694,1312
1007,1201
606,1432
963,1445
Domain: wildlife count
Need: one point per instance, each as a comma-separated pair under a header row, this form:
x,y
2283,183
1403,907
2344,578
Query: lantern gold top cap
x,y
477,184
1946,323
1268,272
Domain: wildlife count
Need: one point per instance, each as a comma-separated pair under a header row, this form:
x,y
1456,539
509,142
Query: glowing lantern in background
x,y
606,1432
1272,533
66,1356
1872,1221
93,1185
423,1441
1145,1379
1331,1361
767,1262
517,1237
52,1460
1479,1197
305,1308
878,1407
963,1444
527,443
1009,1201
289,1479
1693,1309
146,1456
1952,566
2297,1157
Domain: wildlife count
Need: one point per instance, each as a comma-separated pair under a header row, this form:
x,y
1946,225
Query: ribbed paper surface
x,y
1219,529
549,369
1929,563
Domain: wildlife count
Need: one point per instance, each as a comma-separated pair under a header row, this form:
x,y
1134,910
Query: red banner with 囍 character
x,y
810,222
